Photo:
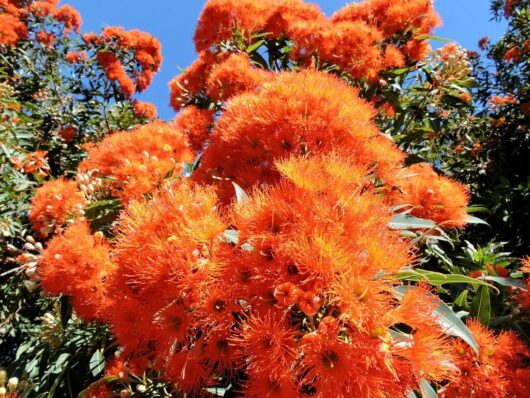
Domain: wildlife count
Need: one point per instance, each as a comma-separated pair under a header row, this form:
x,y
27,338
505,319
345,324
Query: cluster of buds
x,y
94,188
6,91
51,327
452,63
8,390
27,260
76,213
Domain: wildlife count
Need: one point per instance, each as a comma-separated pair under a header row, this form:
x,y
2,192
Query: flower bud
x,y
29,246
11,248
141,388
3,392
12,384
3,377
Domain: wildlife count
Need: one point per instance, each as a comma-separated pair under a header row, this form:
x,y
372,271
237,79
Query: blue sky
x,y
173,23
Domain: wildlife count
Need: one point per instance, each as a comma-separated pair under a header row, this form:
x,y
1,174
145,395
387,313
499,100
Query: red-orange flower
x,y
70,17
234,76
490,373
78,264
432,196
114,70
220,18
136,162
144,110
53,203
12,29
68,133
73,57
302,113
196,124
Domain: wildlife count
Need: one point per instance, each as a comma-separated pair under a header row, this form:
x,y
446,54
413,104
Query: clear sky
x,y
173,23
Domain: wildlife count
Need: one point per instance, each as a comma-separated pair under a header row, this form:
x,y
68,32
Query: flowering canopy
x,y
287,285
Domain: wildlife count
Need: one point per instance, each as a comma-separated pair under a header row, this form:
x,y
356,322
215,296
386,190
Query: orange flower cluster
x,y
53,204
141,46
298,305
35,162
66,14
115,71
234,76
498,101
144,110
135,162
45,38
512,55
78,264
362,39
508,8
523,296
308,113
196,124
302,113
432,197
497,372
145,49
14,16
291,290
484,43
12,25
73,57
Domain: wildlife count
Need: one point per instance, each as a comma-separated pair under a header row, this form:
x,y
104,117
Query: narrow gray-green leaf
x,y
241,195
451,323
404,221
97,363
232,236
426,389
476,220
507,281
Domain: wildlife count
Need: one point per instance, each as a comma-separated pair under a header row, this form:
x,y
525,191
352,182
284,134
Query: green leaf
x,y
451,323
461,300
481,306
241,195
66,311
478,209
468,83
404,221
437,278
94,210
255,46
433,38
426,389
97,363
